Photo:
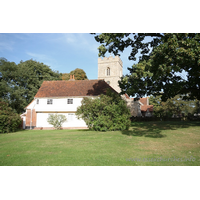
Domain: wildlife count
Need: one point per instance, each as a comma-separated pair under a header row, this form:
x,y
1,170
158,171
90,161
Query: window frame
x,y
49,101
70,117
70,101
108,71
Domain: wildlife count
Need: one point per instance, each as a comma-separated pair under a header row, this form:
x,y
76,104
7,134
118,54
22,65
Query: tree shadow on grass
x,y
150,132
154,129
82,130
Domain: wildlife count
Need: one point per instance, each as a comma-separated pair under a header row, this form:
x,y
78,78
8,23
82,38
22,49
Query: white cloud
x,y
65,38
45,59
37,56
6,46
22,36
77,40
5,43
70,38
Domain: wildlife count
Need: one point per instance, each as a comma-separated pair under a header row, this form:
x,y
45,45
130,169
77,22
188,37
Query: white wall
x,y
72,120
31,105
59,106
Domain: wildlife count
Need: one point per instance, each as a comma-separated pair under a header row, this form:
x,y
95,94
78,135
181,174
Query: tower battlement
x,y
110,59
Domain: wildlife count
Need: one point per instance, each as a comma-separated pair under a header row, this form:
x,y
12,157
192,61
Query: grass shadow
x,y
153,133
154,129
83,130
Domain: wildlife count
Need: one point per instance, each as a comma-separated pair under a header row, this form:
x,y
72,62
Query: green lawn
x,y
145,144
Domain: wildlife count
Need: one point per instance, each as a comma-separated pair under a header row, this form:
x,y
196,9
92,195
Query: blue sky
x,y
63,52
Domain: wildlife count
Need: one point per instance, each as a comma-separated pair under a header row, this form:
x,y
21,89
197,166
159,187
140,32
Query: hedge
x,y
9,120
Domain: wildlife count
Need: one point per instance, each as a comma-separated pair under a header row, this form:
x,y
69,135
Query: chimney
x,y
71,78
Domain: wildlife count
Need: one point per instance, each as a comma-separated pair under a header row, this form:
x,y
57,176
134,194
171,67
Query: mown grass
x,y
145,144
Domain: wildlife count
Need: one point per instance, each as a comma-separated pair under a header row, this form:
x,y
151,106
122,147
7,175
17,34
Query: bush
x,y
105,113
56,120
9,120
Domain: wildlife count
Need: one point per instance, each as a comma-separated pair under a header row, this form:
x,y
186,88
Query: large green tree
x,y
10,121
108,112
19,83
163,58
79,74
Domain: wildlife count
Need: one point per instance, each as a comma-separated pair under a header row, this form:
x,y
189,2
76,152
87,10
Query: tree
x,y
79,74
65,76
163,57
19,83
10,121
158,110
176,105
108,112
56,120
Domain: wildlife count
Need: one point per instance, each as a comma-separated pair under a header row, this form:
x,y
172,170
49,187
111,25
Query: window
x,y
49,101
108,71
108,82
70,117
69,101
37,101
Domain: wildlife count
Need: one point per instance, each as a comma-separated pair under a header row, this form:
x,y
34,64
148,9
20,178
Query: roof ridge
x,y
73,88
82,80
76,80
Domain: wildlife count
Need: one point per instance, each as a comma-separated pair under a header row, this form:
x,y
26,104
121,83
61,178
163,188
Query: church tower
x,y
110,69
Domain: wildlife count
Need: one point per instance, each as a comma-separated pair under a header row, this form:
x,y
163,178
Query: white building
x,y
62,97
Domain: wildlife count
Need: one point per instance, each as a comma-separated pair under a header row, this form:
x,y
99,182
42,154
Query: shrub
x,y
56,120
9,120
108,112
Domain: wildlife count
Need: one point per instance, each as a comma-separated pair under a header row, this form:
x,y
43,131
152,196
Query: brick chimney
x,y
72,78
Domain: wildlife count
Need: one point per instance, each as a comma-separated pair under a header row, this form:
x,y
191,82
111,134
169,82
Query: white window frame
x,y
70,101
37,101
70,117
49,101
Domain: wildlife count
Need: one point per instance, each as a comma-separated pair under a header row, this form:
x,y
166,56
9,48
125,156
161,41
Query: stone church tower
x,y
110,69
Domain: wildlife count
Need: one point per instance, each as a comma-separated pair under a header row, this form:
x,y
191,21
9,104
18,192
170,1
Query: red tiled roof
x,y
73,88
145,107
143,100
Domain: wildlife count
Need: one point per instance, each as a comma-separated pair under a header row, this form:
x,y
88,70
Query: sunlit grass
x,y
146,143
